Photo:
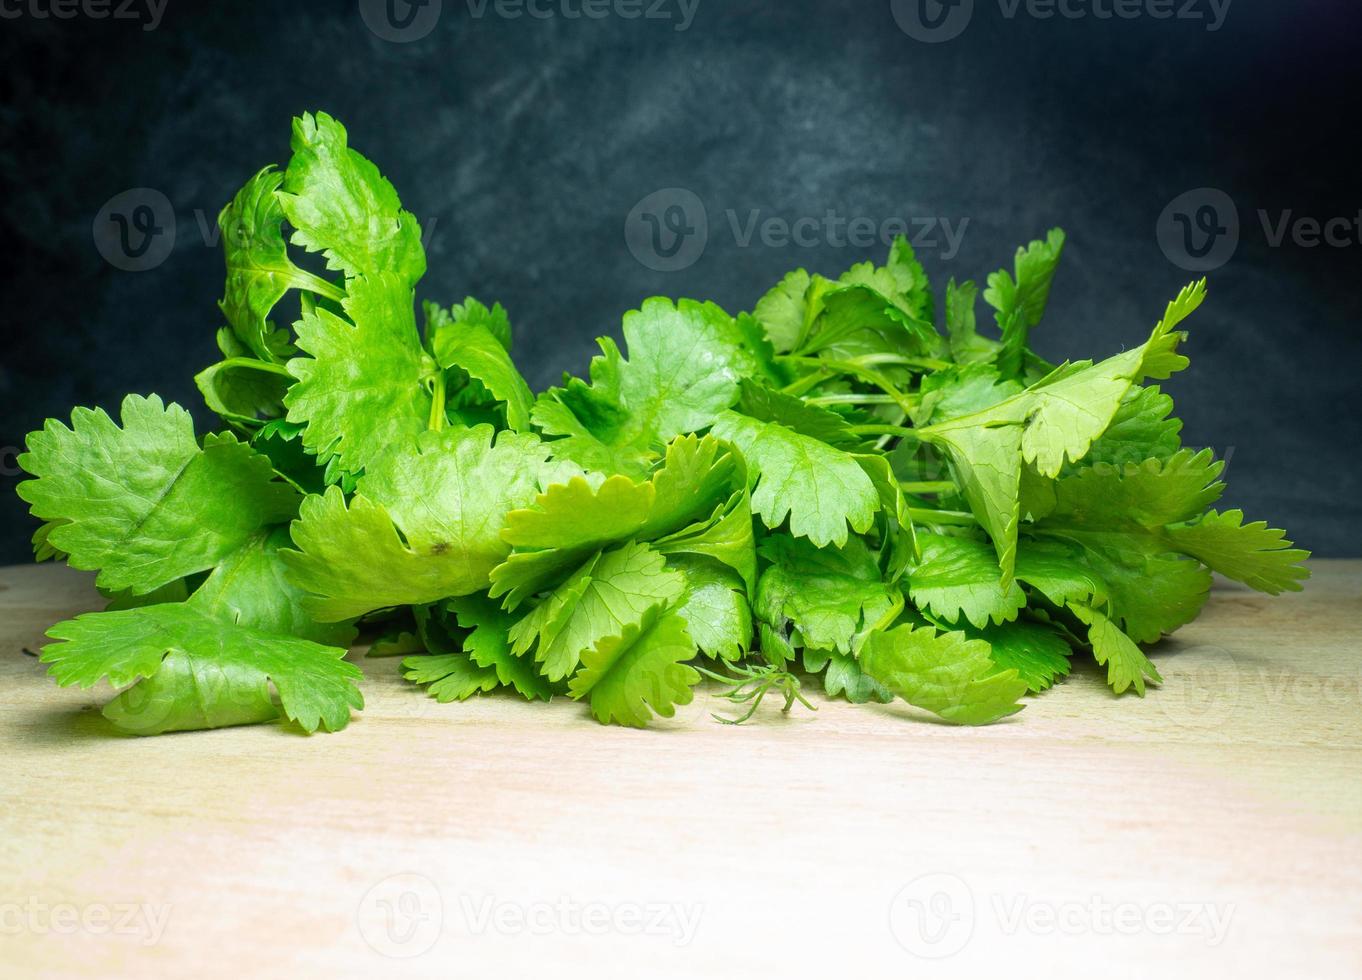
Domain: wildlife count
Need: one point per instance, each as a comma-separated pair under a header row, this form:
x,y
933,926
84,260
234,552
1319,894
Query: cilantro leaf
x,y
423,526
640,673
725,537
1020,301
1126,663
361,392
1054,421
1254,554
570,521
144,504
830,594
781,311
959,577
209,662
842,676
947,674
613,591
449,676
684,364
474,349
259,270
244,390
820,489
1038,654
488,644
714,606
340,205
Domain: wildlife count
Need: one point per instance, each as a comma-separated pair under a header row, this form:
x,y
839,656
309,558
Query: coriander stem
x,y
925,515
928,486
437,403
887,430
902,400
928,363
318,285
805,383
253,364
852,399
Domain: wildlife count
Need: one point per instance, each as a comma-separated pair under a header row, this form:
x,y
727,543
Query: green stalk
x,y
902,431
437,404
928,486
318,285
925,515
904,401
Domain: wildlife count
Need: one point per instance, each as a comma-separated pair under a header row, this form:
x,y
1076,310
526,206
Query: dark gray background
x,y
523,144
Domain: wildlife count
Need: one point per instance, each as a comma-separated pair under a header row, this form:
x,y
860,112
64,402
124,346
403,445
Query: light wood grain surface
x,y
1213,829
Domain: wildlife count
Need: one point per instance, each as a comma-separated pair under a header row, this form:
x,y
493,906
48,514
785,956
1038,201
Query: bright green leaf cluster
x,y
841,487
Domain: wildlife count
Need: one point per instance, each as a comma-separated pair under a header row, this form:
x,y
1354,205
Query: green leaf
x,y
962,390
820,489
641,673
781,311
201,672
571,520
252,587
842,676
1126,663
340,205
425,524
947,674
244,390
449,676
725,537
1254,554
469,313
489,645
963,340
144,504
1020,302
714,607
684,365
1118,516
1142,428
259,270
1038,654
830,594
768,405
1053,422
473,348
959,577
362,391
617,590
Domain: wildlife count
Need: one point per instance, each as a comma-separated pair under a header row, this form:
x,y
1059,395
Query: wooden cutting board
x,y
1212,829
